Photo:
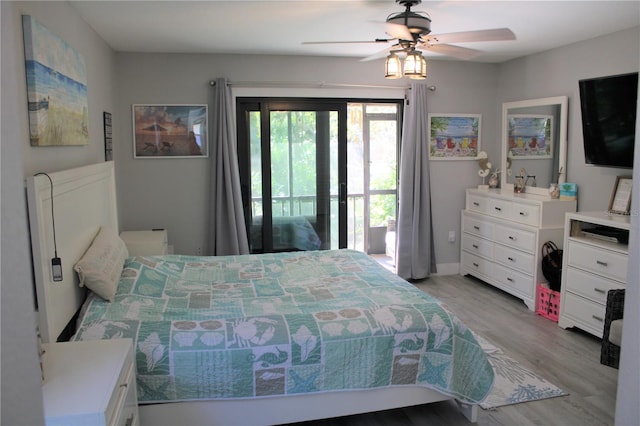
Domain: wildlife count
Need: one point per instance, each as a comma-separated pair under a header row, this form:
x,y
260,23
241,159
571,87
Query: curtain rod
x,y
311,84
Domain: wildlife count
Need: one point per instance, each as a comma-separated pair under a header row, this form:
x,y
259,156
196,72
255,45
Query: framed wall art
x,y
530,136
170,131
620,202
108,136
454,136
56,88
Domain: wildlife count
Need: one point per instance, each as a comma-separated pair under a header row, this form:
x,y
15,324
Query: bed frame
x,y
84,199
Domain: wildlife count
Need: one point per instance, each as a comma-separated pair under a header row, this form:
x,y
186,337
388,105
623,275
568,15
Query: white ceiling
x,y
280,27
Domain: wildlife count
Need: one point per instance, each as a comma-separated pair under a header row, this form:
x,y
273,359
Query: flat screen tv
x,y
608,107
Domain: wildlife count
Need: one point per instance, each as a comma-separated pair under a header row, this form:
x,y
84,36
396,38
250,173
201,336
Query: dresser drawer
x,y
126,385
476,264
477,246
590,286
525,213
499,208
477,227
518,281
477,204
600,261
589,313
523,262
516,238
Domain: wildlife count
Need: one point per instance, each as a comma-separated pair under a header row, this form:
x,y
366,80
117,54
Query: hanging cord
x,y
56,262
53,219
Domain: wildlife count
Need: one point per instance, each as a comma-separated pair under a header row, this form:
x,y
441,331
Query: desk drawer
x,y
589,313
476,264
509,277
516,238
523,262
477,227
592,287
499,208
525,213
477,204
600,261
477,246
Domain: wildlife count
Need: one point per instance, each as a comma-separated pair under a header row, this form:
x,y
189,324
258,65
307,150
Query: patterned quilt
x,y
278,324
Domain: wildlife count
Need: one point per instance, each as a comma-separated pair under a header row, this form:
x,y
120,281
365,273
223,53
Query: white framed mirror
x,y
534,144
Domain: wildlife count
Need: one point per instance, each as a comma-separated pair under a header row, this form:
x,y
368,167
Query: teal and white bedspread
x,y
279,324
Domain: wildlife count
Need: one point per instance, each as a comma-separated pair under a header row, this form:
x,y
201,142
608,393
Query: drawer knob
x,y
512,238
599,290
601,263
511,259
597,318
477,228
477,204
476,265
510,280
475,246
498,209
524,214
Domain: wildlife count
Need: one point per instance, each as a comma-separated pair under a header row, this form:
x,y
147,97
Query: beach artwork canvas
x,y
56,88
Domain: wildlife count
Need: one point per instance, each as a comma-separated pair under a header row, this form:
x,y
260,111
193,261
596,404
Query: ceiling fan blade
x,y
451,50
378,40
380,54
496,34
398,31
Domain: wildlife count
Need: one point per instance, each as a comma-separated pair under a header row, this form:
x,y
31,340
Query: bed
x,y
257,339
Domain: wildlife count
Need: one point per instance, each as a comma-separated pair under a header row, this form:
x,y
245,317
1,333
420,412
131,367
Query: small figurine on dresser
x,y
485,168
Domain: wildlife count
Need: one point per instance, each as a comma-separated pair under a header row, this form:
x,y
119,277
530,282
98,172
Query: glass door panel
x,y
295,177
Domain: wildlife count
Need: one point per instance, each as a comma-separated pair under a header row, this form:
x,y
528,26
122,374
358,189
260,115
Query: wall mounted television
x,y
608,107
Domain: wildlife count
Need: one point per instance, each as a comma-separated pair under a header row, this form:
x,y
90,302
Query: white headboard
x,y
84,199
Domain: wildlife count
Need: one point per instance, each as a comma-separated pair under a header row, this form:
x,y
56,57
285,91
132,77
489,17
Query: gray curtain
x,y
415,257
227,232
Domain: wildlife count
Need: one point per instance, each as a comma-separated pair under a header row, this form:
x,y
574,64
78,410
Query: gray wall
x,y
21,396
556,73
145,184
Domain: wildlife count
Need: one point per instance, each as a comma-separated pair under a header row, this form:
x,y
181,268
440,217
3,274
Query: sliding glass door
x,y
293,174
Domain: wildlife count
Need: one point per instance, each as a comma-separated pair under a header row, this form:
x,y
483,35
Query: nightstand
x,y
146,243
90,382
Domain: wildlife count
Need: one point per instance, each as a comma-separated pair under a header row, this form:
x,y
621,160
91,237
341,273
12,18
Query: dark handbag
x,y
552,264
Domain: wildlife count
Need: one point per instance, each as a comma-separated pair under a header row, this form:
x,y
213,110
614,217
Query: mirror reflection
x,y
533,144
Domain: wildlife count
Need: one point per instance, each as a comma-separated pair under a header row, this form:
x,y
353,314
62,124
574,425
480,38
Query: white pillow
x,y
101,265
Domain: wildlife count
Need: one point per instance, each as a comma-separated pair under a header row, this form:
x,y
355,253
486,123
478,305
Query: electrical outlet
x,y
199,251
452,236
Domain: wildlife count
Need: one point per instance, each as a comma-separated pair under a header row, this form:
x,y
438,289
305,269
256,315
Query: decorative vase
x,y
493,181
554,190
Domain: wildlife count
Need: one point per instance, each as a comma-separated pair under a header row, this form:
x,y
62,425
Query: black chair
x,y
610,352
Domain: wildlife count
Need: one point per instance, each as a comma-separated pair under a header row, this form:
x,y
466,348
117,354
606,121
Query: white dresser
x,y
592,265
90,383
502,237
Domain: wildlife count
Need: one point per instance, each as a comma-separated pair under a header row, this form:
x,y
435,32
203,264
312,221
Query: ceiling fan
x,y
411,31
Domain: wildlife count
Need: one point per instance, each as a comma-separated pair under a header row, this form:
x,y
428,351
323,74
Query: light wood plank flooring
x,y
569,359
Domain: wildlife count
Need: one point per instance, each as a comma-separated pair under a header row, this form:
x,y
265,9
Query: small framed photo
x,y
454,136
170,131
620,202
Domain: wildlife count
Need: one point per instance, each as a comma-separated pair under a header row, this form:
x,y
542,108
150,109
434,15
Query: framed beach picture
x,y
620,202
530,136
454,136
170,131
56,88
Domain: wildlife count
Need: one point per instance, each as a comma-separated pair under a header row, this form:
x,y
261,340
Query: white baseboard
x,y
448,269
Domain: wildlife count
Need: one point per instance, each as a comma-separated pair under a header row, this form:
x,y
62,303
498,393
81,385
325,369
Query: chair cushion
x,y
615,332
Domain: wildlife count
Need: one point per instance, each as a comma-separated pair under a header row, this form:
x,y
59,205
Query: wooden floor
x,y
567,358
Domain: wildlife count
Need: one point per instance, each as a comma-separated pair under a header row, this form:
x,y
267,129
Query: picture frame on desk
x,y
620,202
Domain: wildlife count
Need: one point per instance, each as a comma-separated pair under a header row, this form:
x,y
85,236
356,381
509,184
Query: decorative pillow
x,y
100,267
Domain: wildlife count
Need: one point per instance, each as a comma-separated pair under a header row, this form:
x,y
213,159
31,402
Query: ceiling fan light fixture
x,y
415,66
392,67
